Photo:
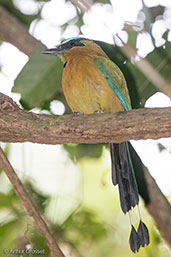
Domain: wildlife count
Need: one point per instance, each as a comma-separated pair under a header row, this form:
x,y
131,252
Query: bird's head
x,y
76,45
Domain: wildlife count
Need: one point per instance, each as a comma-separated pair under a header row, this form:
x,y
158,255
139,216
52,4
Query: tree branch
x,y
17,125
12,31
30,207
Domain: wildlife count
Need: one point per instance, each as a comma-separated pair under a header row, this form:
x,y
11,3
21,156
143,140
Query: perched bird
x,y
91,82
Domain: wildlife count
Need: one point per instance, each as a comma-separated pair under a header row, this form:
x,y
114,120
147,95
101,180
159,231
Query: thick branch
x,y
20,190
17,125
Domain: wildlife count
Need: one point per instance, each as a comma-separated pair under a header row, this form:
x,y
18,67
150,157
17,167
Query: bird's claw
x,y
78,113
98,112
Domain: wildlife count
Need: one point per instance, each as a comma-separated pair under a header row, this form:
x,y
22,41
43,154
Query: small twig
x,y
31,209
81,4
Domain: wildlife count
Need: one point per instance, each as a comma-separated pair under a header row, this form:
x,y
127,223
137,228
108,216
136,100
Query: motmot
x,y
91,83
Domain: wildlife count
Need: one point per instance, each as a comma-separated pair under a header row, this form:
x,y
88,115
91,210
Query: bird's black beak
x,y
51,51
59,50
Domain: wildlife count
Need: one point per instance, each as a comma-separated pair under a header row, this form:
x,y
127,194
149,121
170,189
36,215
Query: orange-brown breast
x,y
85,88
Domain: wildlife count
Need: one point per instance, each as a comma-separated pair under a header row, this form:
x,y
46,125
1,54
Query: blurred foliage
x,y
39,81
151,14
40,200
11,8
84,231
76,152
75,228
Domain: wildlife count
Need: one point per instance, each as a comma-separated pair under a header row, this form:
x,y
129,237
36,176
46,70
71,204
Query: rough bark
x,y
17,125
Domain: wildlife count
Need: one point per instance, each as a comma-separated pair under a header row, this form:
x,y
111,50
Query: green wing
x,y
115,79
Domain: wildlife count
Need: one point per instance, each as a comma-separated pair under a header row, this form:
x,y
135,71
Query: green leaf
x,y
151,14
75,227
77,152
39,244
8,200
9,233
39,80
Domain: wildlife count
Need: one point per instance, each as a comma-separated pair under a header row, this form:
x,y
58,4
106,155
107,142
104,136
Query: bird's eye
x,y
72,43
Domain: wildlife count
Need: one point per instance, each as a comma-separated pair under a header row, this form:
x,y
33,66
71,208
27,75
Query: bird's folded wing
x,y
115,80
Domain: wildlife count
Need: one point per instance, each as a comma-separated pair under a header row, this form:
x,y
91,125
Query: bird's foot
x,y
78,113
98,112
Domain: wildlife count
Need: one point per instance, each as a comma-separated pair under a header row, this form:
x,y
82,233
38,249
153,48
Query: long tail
x,y
123,176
